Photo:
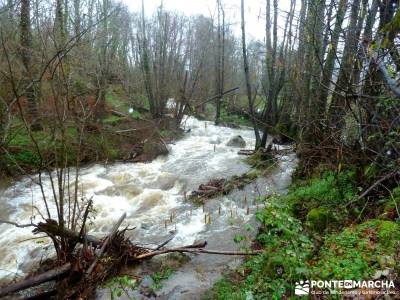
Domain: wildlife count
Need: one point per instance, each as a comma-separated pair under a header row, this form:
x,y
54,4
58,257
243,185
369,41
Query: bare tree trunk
x,y
247,76
298,70
220,57
312,111
26,56
343,84
273,70
332,53
145,64
77,17
328,25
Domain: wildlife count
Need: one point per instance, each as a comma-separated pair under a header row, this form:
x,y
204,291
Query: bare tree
x,y
26,57
247,76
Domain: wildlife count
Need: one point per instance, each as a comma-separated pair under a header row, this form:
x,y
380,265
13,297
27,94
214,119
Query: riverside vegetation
x,y
312,232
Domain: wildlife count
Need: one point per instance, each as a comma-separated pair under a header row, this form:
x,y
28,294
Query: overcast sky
x,y
254,9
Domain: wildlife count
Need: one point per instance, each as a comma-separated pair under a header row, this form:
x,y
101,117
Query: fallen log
x,y
195,249
260,151
51,227
36,280
118,113
209,187
246,152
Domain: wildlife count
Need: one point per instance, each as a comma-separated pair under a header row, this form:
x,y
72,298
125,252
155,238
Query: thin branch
x,y
17,225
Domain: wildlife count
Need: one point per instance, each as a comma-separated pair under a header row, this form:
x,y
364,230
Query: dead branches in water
x,y
221,186
96,260
196,248
36,280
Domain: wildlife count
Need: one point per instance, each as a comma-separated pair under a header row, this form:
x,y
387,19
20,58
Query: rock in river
x,y
236,141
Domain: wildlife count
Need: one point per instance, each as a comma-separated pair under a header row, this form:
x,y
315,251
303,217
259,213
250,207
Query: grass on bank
x,y
308,234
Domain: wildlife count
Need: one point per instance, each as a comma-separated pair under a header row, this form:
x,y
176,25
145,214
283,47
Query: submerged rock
x,y
236,141
145,225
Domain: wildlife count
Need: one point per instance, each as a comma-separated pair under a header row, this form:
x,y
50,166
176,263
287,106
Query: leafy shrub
x,y
317,219
160,276
358,252
26,158
120,285
330,194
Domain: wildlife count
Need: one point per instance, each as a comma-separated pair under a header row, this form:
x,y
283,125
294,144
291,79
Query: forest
x,y
247,151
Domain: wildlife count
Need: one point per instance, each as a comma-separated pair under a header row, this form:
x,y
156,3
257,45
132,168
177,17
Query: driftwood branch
x,y
36,280
387,176
118,113
105,244
16,224
54,229
246,152
374,185
166,241
195,249
217,96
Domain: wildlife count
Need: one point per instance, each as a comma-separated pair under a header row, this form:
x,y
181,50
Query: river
x,y
152,194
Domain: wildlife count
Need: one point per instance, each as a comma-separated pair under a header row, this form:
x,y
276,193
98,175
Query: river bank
x,y
115,139
321,230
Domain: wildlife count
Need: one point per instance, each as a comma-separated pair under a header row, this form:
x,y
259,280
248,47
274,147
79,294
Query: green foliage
x,y
80,85
112,119
392,26
261,161
21,138
166,133
23,150
136,115
102,146
317,219
230,118
116,98
158,277
26,158
371,171
144,101
331,192
224,289
119,285
358,252
272,274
